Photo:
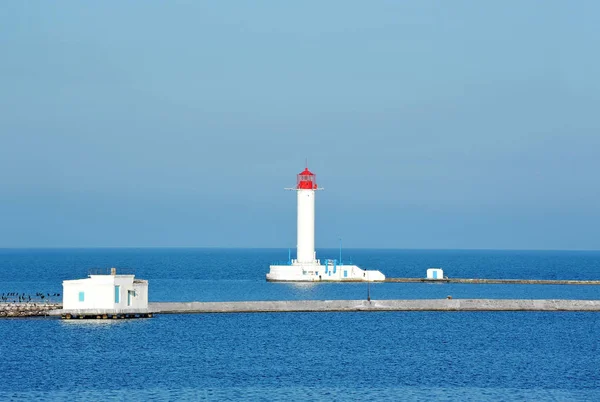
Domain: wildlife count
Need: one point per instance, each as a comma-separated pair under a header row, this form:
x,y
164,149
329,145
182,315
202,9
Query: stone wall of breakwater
x,y
27,309
496,281
376,305
280,306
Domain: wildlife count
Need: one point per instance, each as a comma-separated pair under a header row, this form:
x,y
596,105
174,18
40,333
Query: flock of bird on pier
x,y
26,298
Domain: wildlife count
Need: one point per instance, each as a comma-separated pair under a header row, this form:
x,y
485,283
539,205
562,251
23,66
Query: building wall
x,y
103,288
99,293
141,295
71,291
431,273
125,283
314,273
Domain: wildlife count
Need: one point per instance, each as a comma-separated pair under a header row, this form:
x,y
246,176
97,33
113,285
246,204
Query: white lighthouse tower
x,y
305,188
306,267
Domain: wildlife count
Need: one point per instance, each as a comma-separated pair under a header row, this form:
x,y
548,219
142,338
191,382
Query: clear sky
x,y
431,124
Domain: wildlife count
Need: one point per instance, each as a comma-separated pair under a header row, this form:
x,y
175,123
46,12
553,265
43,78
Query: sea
x,y
453,356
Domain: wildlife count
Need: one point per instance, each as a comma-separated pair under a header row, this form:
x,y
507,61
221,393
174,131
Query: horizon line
x,y
283,248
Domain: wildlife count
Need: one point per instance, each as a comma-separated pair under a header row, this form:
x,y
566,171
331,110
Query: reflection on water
x,y
95,323
305,286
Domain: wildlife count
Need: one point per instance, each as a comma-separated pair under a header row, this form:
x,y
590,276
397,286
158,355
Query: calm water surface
x,y
304,356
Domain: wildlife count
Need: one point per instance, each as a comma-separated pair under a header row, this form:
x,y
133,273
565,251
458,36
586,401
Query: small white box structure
x,y
106,293
435,273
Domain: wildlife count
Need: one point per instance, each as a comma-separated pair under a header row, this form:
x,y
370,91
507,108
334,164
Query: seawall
x,y
55,309
376,305
27,309
495,281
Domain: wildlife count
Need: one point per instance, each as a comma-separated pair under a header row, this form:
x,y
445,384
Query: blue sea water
x,y
304,356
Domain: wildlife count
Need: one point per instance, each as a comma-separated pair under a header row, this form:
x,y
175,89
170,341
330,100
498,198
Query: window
x,y
117,294
81,296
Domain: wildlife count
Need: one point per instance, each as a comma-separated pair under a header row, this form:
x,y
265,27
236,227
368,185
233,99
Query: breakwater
x,y
27,309
283,306
494,281
375,305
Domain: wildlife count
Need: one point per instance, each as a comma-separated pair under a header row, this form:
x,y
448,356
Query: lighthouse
x,y
306,267
306,187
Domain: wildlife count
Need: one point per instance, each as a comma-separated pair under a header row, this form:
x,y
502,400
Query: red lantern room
x,y
306,180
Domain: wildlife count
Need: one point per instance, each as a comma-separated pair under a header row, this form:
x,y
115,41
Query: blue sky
x,y
431,124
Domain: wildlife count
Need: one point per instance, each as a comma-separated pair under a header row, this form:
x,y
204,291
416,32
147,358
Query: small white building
x,y
109,293
435,273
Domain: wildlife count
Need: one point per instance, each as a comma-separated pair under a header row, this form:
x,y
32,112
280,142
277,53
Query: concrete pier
x,y
281,306
376,305
494,281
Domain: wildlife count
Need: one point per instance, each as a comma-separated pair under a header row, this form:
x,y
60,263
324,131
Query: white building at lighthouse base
x,y
329,270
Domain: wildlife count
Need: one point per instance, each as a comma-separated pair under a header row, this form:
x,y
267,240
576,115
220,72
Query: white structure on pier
x,y
435,273
109,293
306,267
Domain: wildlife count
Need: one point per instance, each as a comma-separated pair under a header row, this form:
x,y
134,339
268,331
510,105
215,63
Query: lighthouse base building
x,y
306,267
329,270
